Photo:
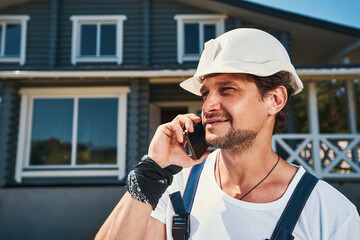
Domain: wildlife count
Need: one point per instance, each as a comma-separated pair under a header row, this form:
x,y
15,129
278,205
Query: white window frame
x,y
24,170
75,45
202,19
14,19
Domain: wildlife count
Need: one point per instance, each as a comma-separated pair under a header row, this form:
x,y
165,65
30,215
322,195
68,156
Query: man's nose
x,y
211,103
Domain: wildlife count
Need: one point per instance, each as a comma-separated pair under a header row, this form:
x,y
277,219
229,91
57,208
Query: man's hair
x,y
267,84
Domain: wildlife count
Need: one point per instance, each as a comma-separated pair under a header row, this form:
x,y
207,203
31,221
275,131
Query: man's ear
x,y
277,99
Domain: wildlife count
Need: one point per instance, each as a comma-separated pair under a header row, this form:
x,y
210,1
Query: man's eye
x,y
204,94
224,89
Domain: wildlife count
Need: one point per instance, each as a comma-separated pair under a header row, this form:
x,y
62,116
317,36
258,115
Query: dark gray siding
x,y
170,92
9,121
163,31
53,35
38,29
137,121
150,32
143,116
133,26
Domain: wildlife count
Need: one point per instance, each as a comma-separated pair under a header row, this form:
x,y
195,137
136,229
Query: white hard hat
x,y
243,50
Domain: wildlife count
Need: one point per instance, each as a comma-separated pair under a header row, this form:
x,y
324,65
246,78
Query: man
x,y
245,78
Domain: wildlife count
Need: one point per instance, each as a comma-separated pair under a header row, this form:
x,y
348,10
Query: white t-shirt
x,y
215,215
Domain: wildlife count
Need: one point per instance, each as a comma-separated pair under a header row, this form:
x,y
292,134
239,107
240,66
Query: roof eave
x,y
295,17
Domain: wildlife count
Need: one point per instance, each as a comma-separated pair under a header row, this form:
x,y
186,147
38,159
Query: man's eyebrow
x,y
224,83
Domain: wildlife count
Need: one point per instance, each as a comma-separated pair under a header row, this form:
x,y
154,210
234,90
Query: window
x,y
193,31
13,38
97,38
72,132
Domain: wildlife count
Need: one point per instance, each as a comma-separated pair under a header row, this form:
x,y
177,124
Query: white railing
x,y
331,156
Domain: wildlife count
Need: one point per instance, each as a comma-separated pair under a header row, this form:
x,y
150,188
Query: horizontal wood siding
x,y
132,137
150,31
170,92
38,29
133,26
163,31
143,116
137,122
9,122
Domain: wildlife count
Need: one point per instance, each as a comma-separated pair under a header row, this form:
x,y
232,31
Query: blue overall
x,y
284,227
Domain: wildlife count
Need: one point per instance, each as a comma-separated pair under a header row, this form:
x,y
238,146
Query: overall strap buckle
x,y
181,227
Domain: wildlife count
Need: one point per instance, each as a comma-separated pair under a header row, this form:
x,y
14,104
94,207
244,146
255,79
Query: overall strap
x,y
182,207
293,209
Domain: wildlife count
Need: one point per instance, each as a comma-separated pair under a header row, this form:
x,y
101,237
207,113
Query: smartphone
x,y
196,141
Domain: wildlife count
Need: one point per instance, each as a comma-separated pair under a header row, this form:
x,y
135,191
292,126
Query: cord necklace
x,y
256,184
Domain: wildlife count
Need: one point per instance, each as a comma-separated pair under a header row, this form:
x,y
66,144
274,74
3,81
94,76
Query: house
x,y
85,83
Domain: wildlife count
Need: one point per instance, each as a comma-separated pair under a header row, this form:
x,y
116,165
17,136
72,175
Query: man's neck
x,y
239,172
241,166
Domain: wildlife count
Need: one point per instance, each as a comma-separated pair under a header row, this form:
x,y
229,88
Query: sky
x,y
345,12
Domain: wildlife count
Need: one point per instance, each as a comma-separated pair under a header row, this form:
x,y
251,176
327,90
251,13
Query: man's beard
x,y
235,140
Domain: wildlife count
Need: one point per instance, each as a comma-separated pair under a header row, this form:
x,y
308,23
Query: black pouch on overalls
x,y
181,227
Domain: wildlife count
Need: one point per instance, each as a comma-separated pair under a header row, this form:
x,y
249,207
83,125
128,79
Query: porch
x,y
329,144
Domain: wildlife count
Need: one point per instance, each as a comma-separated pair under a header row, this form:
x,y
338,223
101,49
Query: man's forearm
x,y
128,220
148,181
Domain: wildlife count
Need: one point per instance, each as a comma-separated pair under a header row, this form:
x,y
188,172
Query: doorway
x,y
163,112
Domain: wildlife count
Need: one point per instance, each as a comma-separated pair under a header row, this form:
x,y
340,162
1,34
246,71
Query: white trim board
x,y
324,73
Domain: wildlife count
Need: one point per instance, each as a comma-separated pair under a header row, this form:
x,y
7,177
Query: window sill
x,y
10,59
189,58
71,173
97,59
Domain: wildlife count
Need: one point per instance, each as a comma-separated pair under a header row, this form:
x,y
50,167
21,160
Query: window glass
x,y
88,40
97,131
108,39
12,40
51,132
332,106
209,32
191,38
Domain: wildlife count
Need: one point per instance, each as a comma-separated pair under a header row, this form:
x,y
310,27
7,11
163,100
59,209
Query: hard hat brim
x,y
194,83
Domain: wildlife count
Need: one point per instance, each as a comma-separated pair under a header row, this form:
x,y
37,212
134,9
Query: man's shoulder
x,y
323,188
329,211
327,198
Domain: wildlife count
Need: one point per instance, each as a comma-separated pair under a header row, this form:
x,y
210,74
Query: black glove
x,y
148,181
